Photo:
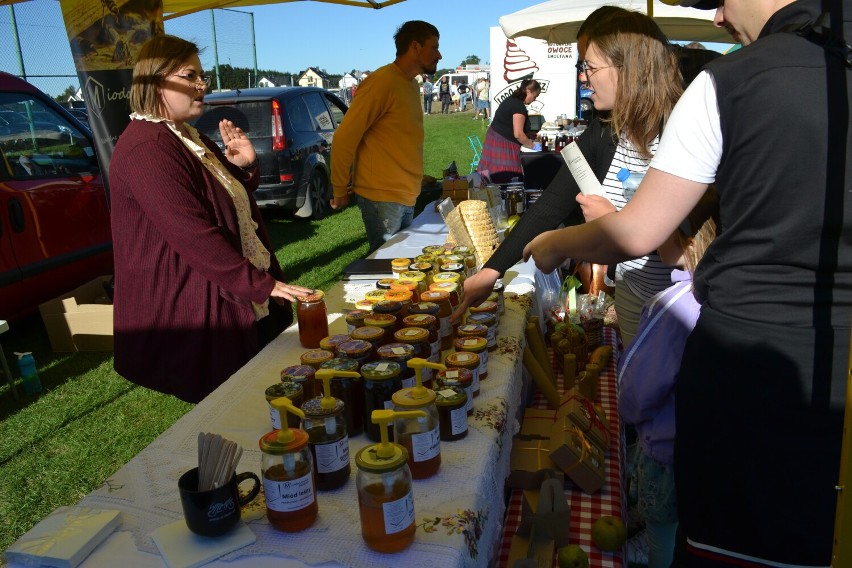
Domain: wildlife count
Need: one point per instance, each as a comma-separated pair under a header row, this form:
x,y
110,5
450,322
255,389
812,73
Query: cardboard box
x,y
80,320
546,507
530,464
582,412
578,458
537,422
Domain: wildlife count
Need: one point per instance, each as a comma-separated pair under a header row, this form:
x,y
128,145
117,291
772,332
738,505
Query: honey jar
x,y
461,378
327,436
408,286
381,380
452,413
420,436
355,319
479,346
302,375
386,322
430,324
399,265
312,319
331,342
370,333
400,353
489,321
347,386
315,358
358,349
465,360
445,310
291,390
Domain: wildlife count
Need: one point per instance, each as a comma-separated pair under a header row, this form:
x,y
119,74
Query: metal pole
x,y
215,51
14,22
253,48
842,548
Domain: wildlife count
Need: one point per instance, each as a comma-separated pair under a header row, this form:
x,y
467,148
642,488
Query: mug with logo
x,y
214,512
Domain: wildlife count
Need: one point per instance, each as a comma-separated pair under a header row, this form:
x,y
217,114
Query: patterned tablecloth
x,y
585,509
459,512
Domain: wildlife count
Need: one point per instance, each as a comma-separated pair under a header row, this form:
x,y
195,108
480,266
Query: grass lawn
x,y
88,421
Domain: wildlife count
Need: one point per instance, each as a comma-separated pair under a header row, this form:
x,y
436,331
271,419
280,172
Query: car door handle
x,y
16,215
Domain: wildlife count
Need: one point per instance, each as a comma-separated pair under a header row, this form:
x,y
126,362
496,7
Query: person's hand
x,y
282,291
238,148
340,202
542,249
594,206
476,290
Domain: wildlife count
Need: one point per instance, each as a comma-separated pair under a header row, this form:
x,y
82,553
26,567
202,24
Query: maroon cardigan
x,y
183,290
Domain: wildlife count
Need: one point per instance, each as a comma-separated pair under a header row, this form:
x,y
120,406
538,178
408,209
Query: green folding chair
x,y
476,144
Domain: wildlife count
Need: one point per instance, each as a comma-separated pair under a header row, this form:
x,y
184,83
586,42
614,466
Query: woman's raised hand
x,y
238,148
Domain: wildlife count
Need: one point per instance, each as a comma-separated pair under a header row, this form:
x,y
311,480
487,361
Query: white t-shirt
x,y
691,147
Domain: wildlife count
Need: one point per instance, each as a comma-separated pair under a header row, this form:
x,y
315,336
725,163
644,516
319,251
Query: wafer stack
x,y
479,225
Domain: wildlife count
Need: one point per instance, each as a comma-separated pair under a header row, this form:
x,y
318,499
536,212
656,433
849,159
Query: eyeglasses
x,y
196,80
587,70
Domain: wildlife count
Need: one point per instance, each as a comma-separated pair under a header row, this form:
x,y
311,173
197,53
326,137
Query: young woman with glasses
x,y
194,268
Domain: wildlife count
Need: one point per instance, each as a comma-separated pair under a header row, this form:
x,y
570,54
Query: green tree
x,y
470,60
63,97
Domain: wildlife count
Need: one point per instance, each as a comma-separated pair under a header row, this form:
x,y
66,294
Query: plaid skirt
x,y
500,156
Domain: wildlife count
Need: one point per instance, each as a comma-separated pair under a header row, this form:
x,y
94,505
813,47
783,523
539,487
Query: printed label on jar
x,y
458,420
446,327
332,456
427,445
290,495
492,337
425,374
275,417
399,514
469,405
475,382
435,357
483,363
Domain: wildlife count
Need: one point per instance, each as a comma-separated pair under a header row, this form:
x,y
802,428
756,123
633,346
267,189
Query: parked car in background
x,y
292,129
54,217
81,115
586,109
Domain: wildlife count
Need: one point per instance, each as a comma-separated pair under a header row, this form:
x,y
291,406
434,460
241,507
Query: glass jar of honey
x,y
434,250
327,440
430,324
302,375
365,305
381,380
315,358
408,286
500,289
450,288
385,283
478,345
400,353
349,388
445,310
399,265
465,360
419,339
355,319
385,322
452,413
370,333
385,497
461,378
331,342
420,436
312,319
472,330
404,299
358,349
417,277
287,472
486,307
455,268
425,267
489,321
374,297
291,390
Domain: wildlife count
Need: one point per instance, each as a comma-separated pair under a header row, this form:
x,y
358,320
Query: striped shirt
x,y
647,275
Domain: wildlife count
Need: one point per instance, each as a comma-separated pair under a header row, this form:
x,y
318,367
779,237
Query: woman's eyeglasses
x,y
587,70
196,80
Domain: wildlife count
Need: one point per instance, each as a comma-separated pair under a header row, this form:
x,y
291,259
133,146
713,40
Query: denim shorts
x,y
656,487
383,219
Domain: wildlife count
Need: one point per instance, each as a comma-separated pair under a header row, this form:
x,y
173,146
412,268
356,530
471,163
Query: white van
x,y
468,78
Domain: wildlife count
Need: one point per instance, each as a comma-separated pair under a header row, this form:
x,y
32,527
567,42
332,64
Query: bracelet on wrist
x,y
250,167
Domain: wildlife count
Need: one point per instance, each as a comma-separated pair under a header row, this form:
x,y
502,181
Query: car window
x,y
254,118
336,106
38,141
319,111
299,114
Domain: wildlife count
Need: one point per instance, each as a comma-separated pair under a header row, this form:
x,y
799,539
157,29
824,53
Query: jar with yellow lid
x,y
331,342
461,378
303,375
385,496
370,333
315,357
400,353
365,305
392,307
348,387
381,380
328,439
465,360
425,267
408,286
355,319
358,349
375,296
292,390
417,277
385,283
447,277
452,413
430,324
445,310
399,265
420,436
489,321
495,297
450,288
453,257
433,249
386,322
404,299
478,345
456,268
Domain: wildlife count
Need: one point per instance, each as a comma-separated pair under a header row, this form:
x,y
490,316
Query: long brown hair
x,y
159,57
649,79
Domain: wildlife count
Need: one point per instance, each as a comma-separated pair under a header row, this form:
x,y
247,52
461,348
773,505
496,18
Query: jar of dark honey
x,y
291,390
400,353
327,436
462,378
302,375
430,324
312,319
347,386
360,350
386,322
355,319
465,360
452,413
370,333
420,436
381,380
478,345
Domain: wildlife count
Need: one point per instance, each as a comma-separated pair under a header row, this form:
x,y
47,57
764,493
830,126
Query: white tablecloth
x,y
459,511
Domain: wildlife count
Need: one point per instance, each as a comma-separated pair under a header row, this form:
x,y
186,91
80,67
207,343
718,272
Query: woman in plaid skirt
x,y
510,129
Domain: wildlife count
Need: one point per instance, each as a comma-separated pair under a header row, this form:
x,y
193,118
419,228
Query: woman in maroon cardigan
x,y
197,291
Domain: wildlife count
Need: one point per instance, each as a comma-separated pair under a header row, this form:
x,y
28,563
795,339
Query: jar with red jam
x,y
478,345
445,310
465,360
385,322
430,324
331,342
312,319
461,378
399,353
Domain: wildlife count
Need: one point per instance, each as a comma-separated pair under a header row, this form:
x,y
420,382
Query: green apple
x,y
572,556
609,533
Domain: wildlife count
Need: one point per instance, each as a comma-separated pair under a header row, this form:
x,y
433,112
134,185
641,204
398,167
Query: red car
x,y
54,215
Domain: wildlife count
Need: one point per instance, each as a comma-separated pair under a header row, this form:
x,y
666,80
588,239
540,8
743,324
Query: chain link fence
x,y
42,56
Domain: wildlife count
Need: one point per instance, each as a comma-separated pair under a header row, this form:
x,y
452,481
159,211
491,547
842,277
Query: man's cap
x,y
700,4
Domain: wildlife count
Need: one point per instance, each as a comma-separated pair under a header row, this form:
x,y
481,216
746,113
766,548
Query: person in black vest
x,y
762,384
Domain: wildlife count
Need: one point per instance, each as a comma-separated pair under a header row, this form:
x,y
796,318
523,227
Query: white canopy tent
x,y
557,21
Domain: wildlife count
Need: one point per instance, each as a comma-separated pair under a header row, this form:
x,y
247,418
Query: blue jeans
x,y
463,101
383,219
658,506
427,103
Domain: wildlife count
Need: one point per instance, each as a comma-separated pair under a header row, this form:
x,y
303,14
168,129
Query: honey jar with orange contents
x,y
450,288
404,299
385,322
430,324
408,286
420,436
445,310
426,268
312,319
478,345
417,277
399,265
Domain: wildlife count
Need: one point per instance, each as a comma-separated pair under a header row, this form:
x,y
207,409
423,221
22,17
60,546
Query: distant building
x,y
313,77
264,82
348,80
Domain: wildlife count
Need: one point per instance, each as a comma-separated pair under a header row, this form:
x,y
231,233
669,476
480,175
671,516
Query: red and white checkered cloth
x,y
585,509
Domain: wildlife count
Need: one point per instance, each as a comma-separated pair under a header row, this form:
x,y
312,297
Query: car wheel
x,y
318,194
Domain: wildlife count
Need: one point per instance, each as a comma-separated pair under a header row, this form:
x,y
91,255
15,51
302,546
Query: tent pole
x,y
651,9
842,548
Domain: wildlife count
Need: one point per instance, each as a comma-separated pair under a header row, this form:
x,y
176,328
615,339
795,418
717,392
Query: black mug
x,y
216,511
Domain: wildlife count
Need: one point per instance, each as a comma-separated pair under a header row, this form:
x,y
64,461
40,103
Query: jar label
x,y
458,420
463,357
333,456
275,416
492,337
290,495
399,514
435,356
452,374
388,404
469,406
446,327
381,367
425,375
426,446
